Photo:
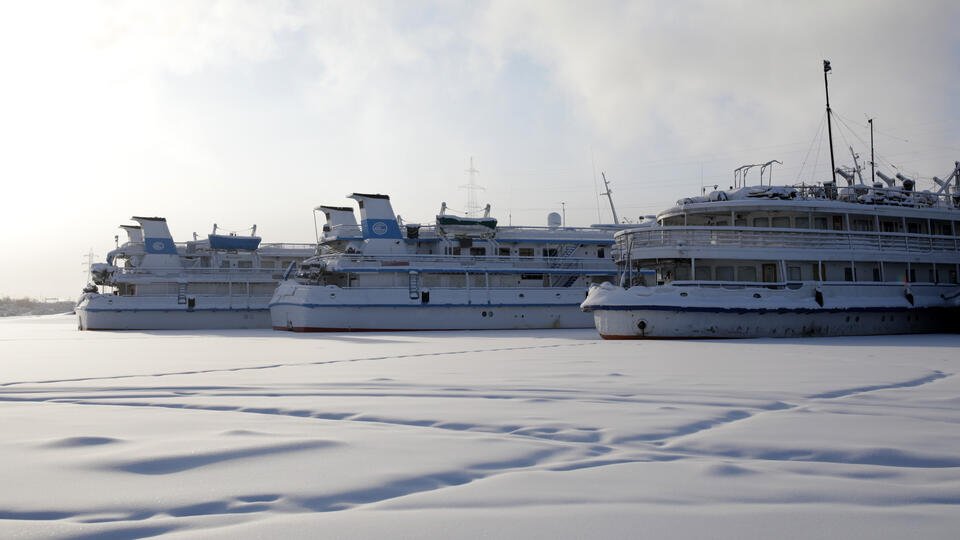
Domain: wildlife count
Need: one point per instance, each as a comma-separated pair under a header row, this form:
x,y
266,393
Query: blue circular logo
x,y
379,228
158,245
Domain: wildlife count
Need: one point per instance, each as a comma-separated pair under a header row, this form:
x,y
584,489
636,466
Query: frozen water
x,y
533,434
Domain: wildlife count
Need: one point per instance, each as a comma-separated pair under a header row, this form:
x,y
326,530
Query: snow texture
x,y
524,434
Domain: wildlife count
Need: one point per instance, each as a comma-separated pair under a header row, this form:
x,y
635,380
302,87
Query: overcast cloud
x,y
241,113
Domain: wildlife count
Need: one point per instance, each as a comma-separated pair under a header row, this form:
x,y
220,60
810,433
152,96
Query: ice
x,y
532,434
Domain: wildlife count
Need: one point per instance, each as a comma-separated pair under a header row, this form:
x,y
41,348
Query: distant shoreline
x,y
13,307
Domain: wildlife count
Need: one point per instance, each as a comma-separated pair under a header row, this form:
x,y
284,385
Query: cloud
x,y
238,112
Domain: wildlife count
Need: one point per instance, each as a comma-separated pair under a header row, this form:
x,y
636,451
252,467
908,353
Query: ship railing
x,y
346,262
793,284
781,238
226,274
192,247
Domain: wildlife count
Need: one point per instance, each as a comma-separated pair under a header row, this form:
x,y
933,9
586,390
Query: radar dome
x,y
554,220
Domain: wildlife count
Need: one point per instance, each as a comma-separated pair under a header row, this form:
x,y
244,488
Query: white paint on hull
x,y
661,312
105,312
311,308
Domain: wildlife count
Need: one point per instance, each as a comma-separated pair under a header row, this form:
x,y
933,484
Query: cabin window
x,y
931,278
820,223
725,273
746,273
740,222
838,223
794,273
876,274
600,253
504,252
456,251
703,273
890,226
913,227
862,225
761,222
848,274
531,276
782,221
802,223
953,276
550,252
268,264
525,252
912,275
722,223
942,228
224,264
478,251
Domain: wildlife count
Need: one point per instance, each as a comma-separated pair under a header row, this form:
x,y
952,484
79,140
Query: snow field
x,y
534,434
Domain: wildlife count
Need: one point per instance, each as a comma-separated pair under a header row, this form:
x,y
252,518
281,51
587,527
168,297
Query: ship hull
x,y
104,312
332,309
847,310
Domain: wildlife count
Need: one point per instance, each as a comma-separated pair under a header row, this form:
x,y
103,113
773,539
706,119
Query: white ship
x,y
783,261
461,273
151,283
790,261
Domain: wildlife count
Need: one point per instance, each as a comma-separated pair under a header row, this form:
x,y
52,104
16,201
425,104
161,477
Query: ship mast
x,y
873,165
826,88
609,194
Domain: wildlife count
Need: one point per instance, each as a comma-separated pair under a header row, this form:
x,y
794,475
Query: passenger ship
x,y
151,283
460,273
790,261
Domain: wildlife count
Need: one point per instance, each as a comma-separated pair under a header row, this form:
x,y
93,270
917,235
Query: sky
x,y
242,113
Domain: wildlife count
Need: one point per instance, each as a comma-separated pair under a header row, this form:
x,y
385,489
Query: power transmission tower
x,y
473,207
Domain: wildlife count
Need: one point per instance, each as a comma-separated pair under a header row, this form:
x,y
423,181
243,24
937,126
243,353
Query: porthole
x,y
756,295
683,294
483,313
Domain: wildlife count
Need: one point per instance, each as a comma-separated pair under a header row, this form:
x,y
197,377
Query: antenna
x,y
472,188
609,194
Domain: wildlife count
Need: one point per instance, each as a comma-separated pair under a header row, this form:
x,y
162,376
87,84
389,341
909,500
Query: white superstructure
x,y
460,273
786,261
151,283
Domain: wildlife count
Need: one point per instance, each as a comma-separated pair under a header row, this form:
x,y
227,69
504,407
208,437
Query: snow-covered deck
x,y
533,434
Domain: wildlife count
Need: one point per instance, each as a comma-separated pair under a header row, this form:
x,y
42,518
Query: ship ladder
x,y
182,293
414,285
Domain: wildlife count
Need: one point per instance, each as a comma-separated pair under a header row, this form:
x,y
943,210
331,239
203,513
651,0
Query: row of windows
x,y
833,222
507,252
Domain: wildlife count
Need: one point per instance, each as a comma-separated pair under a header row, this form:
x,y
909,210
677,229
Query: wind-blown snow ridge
x,y
935,376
